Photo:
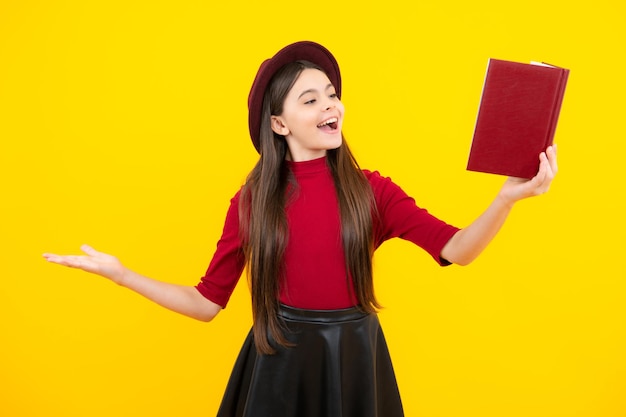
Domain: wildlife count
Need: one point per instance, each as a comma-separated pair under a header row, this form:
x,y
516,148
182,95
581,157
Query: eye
x,y
310,101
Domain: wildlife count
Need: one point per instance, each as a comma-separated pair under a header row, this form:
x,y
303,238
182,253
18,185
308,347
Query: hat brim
x,y
304,50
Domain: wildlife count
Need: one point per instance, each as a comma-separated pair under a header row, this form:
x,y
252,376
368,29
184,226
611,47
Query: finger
x,y
89,250
70,261
51,257
543,169
551,154
545,175
551,164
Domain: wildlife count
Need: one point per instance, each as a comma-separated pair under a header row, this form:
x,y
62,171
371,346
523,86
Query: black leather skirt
x,y
339,367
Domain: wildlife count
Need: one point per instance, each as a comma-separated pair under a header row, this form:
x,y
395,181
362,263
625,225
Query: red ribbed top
x,y
315,273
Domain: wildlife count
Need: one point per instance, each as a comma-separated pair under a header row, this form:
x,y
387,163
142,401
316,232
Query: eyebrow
x,y
313,90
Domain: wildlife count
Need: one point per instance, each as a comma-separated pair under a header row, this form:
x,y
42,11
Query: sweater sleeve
x,y
399,216
227,264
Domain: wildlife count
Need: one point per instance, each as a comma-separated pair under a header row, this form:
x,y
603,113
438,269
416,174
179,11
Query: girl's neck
x,y
304,156
308,167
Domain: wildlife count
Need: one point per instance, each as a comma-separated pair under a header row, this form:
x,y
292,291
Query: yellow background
x,y
123,124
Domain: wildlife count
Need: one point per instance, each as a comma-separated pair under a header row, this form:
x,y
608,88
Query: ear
x,y
278,126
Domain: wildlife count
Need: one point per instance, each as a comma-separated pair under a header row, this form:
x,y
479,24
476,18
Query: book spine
x,y
557,107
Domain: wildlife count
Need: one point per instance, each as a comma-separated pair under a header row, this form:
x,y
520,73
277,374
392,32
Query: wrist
x,y
121,277
504,201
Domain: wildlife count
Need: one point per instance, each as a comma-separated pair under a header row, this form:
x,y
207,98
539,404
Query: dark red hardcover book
x,y
517,117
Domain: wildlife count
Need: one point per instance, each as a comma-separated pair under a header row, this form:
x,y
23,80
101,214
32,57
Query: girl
x,y
306,224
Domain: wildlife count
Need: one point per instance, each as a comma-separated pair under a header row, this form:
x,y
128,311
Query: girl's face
x,y
312,117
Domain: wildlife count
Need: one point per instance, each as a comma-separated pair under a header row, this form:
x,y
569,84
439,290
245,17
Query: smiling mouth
x,y
329,125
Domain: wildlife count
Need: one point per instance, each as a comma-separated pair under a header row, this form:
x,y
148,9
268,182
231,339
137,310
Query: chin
x,y
334,144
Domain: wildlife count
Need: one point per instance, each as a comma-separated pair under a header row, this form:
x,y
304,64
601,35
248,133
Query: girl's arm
x,y
468,243
179,298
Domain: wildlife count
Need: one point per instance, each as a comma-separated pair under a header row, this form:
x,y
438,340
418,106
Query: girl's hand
x,y
515,189
93,261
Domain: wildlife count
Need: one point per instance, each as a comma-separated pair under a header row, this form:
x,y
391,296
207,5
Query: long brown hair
x,y
263,221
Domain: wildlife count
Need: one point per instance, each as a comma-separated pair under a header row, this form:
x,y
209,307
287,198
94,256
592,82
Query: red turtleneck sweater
x,y
315,273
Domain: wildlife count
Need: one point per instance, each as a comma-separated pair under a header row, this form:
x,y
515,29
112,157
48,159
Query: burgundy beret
x,y
305,50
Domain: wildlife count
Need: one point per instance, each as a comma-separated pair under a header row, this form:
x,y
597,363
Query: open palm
x,y
93,261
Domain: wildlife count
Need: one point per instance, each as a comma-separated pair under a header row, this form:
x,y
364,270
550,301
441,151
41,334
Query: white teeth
x,y
327,122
